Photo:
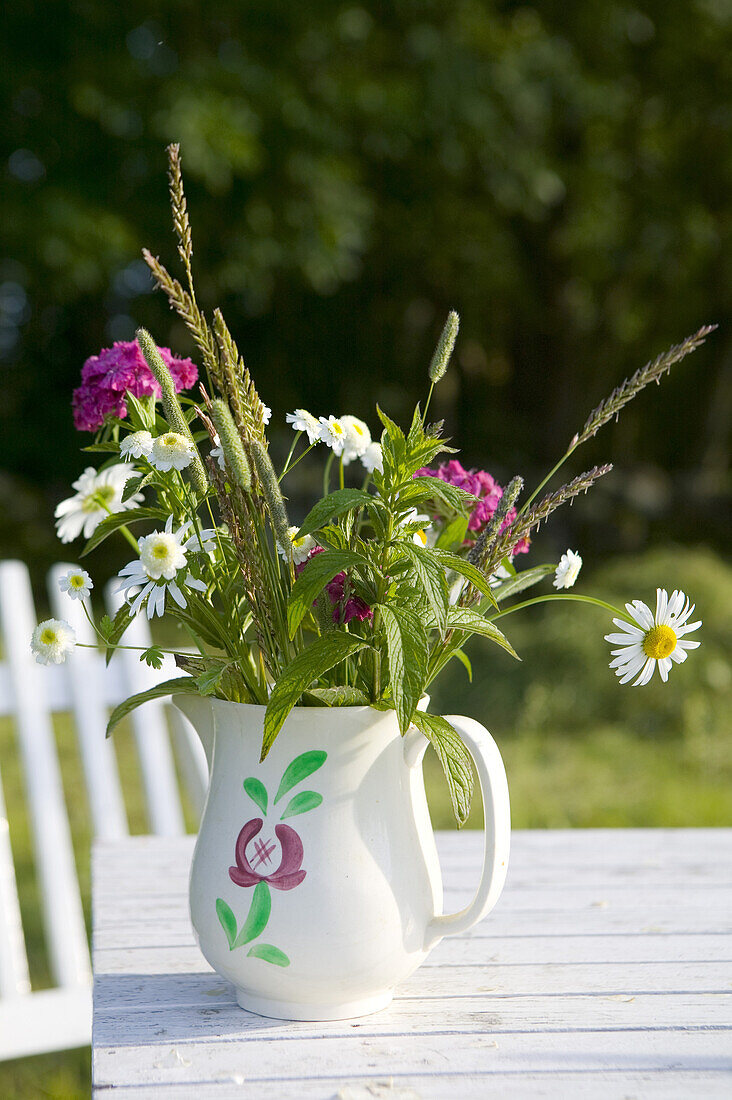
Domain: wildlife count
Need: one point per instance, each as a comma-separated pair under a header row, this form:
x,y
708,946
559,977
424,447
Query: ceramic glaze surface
x,y
315,880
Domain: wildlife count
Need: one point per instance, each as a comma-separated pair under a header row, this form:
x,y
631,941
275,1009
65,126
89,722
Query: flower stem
x,y
561,596
124,530
292,449
326,473
298,459
427,405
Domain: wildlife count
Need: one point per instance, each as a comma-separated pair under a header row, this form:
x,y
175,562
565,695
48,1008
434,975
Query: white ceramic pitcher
x,y
315,885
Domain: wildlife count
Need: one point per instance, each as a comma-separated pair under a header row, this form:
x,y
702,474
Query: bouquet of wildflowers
x,y
366,599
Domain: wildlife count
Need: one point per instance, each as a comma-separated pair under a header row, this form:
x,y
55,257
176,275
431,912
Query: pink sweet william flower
x,y
259,866
353,608
106,377
483,486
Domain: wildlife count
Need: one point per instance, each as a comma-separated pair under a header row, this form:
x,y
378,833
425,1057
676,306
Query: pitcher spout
x,y
199,712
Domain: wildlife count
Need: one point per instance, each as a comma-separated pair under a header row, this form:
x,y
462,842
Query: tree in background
x,y
558,172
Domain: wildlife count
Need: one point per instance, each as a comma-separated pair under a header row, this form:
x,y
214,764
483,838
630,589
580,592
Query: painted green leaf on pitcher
x,y
227,920
269,954
300,768
258,916
301,803
257,792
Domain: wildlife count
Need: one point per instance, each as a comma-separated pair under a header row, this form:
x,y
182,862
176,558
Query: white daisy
x,y
373,458
52,641
217,452
136,445
97,494
303,421
358,438
300,547
333,433
567,570
171,451
163,557
77,583
656,640
266,414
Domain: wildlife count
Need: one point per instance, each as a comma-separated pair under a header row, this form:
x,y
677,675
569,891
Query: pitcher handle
x,y
497,825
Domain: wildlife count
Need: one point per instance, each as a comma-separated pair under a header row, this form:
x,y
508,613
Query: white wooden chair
x,y
33,1022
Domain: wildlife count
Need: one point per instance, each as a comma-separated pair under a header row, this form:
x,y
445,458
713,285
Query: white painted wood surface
x,y
604,971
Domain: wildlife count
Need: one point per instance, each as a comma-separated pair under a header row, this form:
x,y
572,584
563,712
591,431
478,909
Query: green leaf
x,y
102,448
298,769
464,618
325,652
120,519
335,504
465,662
433,488
465,569
525,579
257,792
454,758
118,626
406,643
153,657
432,578
181,685
394,449
105,626
453,534
135,484
313,579
301,803
141,411
227,920
209,679
256,921
340,696
269,954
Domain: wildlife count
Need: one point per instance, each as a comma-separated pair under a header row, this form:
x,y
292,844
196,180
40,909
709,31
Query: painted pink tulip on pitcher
x,y
249,870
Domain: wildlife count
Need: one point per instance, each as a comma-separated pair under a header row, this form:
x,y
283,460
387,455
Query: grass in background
x,y
580,749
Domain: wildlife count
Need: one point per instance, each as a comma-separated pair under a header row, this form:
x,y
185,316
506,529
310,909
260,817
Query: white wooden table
x,y
605,971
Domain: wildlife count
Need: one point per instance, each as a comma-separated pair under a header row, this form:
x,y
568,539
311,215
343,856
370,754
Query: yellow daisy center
x,y
96,500
336,429
298,542
422,537
171,439
659,642
160,550
48,636
76,580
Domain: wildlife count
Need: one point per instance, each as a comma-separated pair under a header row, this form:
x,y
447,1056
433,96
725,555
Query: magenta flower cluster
x,y
105,378
345,608
482,485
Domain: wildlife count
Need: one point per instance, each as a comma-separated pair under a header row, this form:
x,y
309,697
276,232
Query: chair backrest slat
x,y
87,676
14,977
150,729
61,901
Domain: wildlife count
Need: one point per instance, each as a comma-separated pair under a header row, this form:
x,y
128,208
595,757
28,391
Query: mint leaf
x,y
406,643
309,665
454,758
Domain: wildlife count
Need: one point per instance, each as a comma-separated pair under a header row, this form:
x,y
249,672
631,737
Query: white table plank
x,y
605,971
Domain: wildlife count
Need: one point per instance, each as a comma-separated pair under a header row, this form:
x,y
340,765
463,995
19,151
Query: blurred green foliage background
x,y
559,173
